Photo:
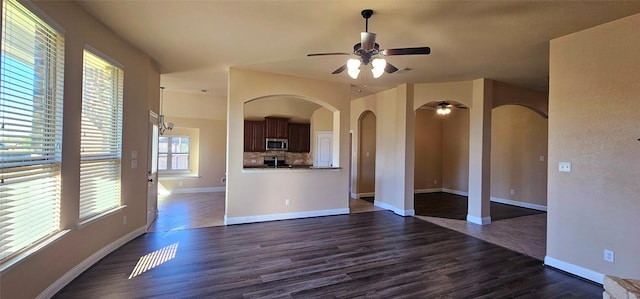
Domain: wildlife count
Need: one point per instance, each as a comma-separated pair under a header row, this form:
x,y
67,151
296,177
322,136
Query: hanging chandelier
x,y
161,124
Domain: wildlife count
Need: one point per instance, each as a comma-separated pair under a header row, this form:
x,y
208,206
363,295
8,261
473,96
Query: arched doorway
x,y
367,156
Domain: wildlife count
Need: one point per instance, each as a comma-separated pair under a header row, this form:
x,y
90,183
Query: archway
x,y
441,169
366,156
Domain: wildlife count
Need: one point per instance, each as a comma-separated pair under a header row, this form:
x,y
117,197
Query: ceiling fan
x,y
368,51
443,107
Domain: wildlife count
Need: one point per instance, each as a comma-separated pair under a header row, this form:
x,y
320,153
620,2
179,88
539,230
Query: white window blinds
x,y
101,140
31,92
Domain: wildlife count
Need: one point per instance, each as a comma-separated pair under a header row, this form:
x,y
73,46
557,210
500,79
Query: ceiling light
x,y
443,110
378,65
353,67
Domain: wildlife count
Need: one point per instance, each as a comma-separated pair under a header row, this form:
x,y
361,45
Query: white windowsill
x,y
89,221
18,258
177,176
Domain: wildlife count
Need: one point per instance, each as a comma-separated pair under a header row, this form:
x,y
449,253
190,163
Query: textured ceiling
x,y
195,42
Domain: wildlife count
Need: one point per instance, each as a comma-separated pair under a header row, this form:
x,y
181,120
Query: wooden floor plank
x,y
373,255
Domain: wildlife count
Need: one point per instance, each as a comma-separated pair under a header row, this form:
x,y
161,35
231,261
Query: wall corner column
x,y
480,152
405,148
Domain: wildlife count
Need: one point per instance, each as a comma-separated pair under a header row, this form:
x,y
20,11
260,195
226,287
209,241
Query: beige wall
x,y
208,155
295,109
254,195
32,275
394,146
594,112
367,153
428,169
455,151
193,105
518,141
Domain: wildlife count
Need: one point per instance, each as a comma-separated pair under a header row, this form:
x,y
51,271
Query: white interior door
x,y
152,169
324,149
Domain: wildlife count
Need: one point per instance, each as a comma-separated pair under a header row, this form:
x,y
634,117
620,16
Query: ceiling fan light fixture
x,y
353,67
443,110
353,73
378,65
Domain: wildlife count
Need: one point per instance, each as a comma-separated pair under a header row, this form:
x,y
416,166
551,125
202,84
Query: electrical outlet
x,y
513,192
435,182
609,256
124,219
180,183
564,166
287,202
541,158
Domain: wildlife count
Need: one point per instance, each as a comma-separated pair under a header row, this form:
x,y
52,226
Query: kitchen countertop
x,y
290,167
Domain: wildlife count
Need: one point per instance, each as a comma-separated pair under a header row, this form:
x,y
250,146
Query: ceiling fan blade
x,y
406,51
389,68
340,69
367,40
327,54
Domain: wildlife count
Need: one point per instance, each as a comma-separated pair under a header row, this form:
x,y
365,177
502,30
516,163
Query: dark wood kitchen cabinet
x,y
254,139
276,127
299,138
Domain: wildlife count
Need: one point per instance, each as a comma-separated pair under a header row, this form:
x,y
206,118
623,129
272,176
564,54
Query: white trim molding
x,y
88,262
479,220
519,204
456,192
386,206
432,190
365,194
574,269
198,190
283,216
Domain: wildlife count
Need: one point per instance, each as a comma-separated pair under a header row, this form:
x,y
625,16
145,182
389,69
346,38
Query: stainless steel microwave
x,y
277,144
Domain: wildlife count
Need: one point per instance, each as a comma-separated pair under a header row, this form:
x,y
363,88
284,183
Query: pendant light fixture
x,y
161,125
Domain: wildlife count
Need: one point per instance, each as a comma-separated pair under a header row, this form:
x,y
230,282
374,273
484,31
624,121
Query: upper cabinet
x,y
276,127
299,138
254,139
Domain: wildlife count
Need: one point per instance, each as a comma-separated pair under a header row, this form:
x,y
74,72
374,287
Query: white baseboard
x,y
519,204
88,262
198,190
432,190
479,220
574,269
284,216
365,194
456,192
386,206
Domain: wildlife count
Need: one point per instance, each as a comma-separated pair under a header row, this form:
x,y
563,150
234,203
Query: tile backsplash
x,y
257,158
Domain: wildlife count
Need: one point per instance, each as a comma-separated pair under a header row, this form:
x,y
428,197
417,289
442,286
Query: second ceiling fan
x,y
368,51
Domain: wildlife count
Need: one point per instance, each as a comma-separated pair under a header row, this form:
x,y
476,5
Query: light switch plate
x,y
564,166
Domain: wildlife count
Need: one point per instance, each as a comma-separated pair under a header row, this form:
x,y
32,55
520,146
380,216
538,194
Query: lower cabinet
x,y
299,138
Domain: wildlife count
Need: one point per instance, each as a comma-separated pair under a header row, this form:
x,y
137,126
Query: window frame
x,y
109,157
169,154
41,152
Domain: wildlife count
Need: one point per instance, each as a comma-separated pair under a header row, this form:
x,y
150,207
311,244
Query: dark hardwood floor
x,y
452,206
373,255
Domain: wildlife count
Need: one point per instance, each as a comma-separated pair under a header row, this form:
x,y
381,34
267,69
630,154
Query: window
x,y
173,153
101,136
31,89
